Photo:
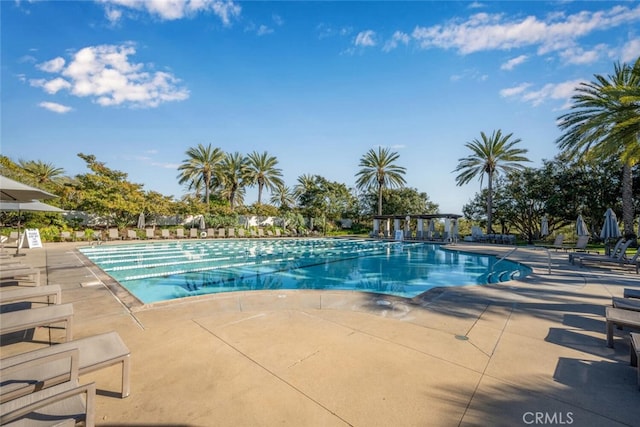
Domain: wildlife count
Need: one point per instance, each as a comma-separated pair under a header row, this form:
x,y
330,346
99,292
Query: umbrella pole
x,y
19,242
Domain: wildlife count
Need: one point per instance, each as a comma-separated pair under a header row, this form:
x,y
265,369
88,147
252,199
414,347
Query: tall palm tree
x,y
604,122
379,171
263,171
198,169
283,197
490,155
233,175
42,172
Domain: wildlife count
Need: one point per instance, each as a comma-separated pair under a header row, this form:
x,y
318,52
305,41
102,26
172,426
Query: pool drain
x,y
462,337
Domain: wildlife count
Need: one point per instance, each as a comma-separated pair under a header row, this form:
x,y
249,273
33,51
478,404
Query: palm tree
x,y
42,172
233,175
604,122
379,172
490,155
283,197
263,171
198,169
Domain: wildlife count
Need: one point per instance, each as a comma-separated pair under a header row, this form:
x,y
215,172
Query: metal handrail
x,y
502,258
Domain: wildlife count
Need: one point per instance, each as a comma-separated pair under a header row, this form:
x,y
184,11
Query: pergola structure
x,y
450,226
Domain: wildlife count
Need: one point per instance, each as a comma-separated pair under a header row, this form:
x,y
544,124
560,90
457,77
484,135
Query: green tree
x,y
262,171
283,197
233,175
198,169
401,201
107,192
379,171
490,155
604,122
42,172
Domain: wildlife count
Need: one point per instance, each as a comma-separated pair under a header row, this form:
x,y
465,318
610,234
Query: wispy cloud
x,y
555,91
513,62
630,51
482,31
55,107
327,31
105,74
169,10
398,38
578,55
365,39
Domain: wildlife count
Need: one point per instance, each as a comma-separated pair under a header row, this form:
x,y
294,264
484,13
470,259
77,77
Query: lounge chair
x,y
620,259
65,236
278,233
211,232
241,232
80,236
260,232
580,246
221,233
621,318
26,294
114,234
132,235
253,233
150,233
96,352
631,293
60,405
193,233
557,243
21,272
180,233
626,303
231,232
23,320
165,233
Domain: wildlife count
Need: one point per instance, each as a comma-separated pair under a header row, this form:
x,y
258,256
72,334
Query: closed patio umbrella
x,y
581,227
544,227
202,223
141,221
610,229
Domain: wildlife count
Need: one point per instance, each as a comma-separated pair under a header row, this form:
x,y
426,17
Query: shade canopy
x,y
29,206
581,227
15,191
610,229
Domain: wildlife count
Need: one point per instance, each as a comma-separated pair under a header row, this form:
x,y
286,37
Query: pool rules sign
x,y
33,238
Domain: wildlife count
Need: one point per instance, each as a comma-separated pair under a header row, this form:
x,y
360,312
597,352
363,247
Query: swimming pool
x,y
159,271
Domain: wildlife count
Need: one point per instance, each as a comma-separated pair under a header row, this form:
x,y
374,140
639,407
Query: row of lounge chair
x,y
617,257
178,233
44,384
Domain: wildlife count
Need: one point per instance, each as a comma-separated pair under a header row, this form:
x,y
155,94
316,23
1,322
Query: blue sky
x,y
316,84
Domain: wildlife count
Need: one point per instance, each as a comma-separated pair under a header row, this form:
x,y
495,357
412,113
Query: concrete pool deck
x,y
524,352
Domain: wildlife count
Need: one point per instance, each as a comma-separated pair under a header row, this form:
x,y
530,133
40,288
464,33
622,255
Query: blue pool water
x,y
161,271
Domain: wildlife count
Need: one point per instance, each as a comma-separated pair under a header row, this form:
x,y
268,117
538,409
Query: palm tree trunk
x,y
379,199
627,199
490,203
260,185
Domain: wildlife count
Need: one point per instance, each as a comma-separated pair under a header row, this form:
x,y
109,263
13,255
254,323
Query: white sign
x,y
33,238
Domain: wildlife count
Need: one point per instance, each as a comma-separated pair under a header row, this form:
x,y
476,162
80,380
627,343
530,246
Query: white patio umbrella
x,y
544,226
581,227
202,223
610,229
141,221
31,206
15,191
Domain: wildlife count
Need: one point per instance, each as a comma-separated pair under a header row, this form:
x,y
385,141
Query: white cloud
x,y
488,32
514,91
559,91
52,66
277,19
55,107
512,63
365,38
398,38
105,74
170,10
264,30
630,51
578,55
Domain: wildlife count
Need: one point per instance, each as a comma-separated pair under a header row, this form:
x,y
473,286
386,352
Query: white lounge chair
x,y
27,293
180,233
165,233
620,317
231,232
132,235
20,272
150,233
96,352
114,234
193,233
60,405
23,320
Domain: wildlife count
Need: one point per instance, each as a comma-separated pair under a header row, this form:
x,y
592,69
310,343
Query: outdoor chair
x,y
22,320
61,405
221,233
278,233
132,235
619,258
260,232
27,293
114,234
180,233
269,233
631,293
241,232
150,233
80,236
20,273
580,246
211,232
626,303
96,352
253,233
231,232
165,233
65,236
193,233
620,318
557,243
